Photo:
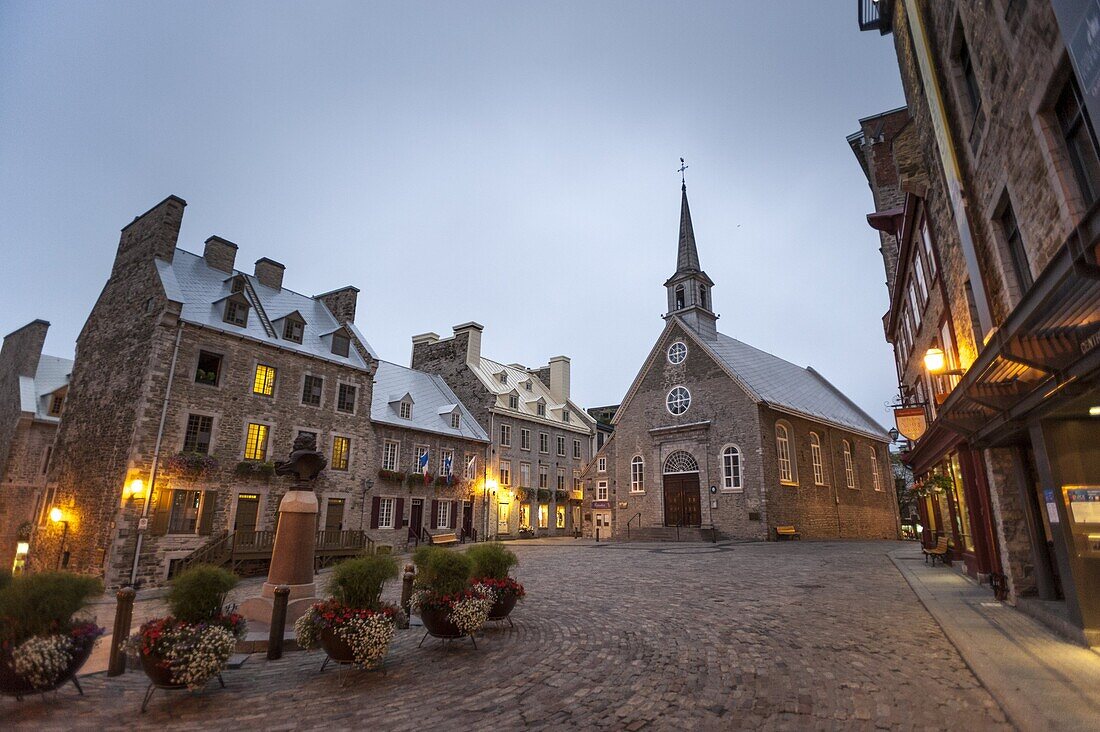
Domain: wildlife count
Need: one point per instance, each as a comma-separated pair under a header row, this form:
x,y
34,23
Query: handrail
x,y
630,520
202,555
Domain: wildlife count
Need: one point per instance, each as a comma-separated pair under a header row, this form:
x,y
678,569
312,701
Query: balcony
x,y
875,15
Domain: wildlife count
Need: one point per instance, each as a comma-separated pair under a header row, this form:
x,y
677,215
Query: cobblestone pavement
x,y
797,635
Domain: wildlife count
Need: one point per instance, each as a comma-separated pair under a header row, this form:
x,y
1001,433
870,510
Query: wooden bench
x,y
787,532
937,552
444,539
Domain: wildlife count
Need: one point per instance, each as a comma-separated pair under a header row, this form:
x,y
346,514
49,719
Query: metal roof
x,y
516,378
34,394
433,403
189,280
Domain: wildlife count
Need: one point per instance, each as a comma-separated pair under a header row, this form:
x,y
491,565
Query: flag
x,y
447,468
422,463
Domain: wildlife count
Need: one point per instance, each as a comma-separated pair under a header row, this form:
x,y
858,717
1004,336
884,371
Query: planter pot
x,y
158,672
335,647
439,625
13,684
503,607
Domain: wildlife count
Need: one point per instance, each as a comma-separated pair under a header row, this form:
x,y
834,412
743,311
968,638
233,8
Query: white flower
x,y
41,659
305,632
368,637
200,654
471,613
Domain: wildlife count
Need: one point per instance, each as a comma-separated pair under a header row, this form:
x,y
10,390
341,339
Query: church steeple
x,y
689,295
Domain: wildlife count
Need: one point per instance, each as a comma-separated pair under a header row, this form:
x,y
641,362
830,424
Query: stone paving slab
x,y
793,636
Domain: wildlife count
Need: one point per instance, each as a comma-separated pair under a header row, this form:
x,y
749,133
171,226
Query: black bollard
x,y
407,587
597,534
278,623
124,613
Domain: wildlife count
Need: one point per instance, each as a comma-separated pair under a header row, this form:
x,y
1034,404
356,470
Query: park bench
x,y
444,539
787,532
939,551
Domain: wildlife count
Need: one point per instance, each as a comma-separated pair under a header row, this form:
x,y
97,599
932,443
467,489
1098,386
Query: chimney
x,y
425,338
22,350
220,253
472,331
559,378
150,236
269,273
341,303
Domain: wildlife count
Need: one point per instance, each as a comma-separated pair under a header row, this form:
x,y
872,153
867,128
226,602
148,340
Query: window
x,y
703,297
208,369
576,481
601,490
679,297
577,449
405,410
503,376
561,479
183,516
1080,140
930,257
677,352
46,459
196,438
341,449
637,474
544,478
815,452
565,415
849,470
876,479
525,439
446,462
916,308
544,515
731,469
391,451
525,475
236,312
918,272
385,513
678,400
541,409
345,398
1015,244
341,344
559,512
561,446
264,383
505,472
292,330
970,80
456,420
544,443
513,401
506,435
443,514
56,402
311,390
527,385
255,443
783,449
471,467
601,464
421,463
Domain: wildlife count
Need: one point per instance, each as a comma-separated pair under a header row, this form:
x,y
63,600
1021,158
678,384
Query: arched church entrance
x,y
681,490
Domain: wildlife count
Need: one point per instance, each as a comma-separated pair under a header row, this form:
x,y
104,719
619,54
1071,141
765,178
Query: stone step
x,y
257,637
667,533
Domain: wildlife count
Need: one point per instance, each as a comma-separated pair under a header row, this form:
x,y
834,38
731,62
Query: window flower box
x,y
190,465
391,476
255,469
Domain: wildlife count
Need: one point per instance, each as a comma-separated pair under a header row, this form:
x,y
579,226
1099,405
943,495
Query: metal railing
x,y
875,15
631,520
251,549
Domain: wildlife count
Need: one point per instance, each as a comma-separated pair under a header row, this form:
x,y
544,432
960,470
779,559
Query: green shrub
x,y
198,594
358,582
491,560
441,571
34,604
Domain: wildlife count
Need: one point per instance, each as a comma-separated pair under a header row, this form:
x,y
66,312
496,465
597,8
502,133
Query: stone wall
x,y
19,356
23,484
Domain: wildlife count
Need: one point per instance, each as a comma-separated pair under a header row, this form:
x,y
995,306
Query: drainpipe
x,y
833,480
156,452
485,475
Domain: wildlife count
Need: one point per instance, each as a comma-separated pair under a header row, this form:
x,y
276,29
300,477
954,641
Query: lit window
x,y
341,449
345,398
815,452
678,400
255,443
390,454
637,475
544,515
560,514
677,352
264,383
783,449
849,470
731,469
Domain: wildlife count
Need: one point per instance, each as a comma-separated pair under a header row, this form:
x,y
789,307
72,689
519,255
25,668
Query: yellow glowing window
x,y
255,444
341,447
265,380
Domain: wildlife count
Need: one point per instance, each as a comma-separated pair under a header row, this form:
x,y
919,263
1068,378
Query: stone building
x,y
985,190
32,395
540,440
717,438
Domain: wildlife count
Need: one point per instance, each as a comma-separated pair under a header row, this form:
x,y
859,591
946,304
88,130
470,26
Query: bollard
x,y
124,613
278,623
407,587
597,534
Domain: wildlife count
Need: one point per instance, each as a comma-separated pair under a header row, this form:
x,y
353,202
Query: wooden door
x,y
416,516
467,517
334,516
248,507
682,504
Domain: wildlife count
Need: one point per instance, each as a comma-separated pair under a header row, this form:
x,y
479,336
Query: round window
x,y
677,352
678,400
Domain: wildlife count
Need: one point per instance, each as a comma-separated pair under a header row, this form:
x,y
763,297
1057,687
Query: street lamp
x,y
58,517
936,362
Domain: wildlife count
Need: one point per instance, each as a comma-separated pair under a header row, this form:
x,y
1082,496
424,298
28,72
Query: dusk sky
x,y
509,163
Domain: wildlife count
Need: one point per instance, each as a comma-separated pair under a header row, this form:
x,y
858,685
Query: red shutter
x,y
435,514
399,514
374,504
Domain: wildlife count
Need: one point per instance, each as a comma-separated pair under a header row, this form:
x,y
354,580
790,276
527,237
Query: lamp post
x,y
58,517
936,362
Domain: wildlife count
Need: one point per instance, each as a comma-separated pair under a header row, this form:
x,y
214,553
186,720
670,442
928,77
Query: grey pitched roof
x,y
189,280
34,394
433,402
784,385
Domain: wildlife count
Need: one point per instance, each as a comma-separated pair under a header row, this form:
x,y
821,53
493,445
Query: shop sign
x,y
1084,504
911,422
601,504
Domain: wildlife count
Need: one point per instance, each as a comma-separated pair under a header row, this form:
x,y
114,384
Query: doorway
x,y
334,515
248,510
602,521
416,517
681,490
467,518
502,517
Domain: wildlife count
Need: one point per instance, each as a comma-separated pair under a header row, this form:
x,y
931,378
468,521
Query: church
x,y
717,439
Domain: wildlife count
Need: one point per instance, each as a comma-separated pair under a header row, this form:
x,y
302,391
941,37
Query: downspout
x,y
485,473
156,453
833,480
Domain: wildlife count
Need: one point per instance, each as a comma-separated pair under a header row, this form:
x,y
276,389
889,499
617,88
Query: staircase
x,y
670,533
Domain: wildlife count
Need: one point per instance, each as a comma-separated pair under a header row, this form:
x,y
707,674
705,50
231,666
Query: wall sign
x,y
1052,507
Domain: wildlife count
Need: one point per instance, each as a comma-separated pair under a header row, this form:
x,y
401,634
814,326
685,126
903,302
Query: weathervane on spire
x,y
683,167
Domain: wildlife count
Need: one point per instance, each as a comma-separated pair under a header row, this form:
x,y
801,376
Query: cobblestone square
x,y
795,635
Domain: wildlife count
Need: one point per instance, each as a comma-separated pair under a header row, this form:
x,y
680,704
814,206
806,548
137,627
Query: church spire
x,y
689,288
687,257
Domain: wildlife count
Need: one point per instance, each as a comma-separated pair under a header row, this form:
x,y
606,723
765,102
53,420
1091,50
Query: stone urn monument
x,y
295,539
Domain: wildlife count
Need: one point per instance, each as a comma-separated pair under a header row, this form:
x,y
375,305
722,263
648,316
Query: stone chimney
x,y
425,338
559,378
220,253
150,236
269,273
472,331
341,303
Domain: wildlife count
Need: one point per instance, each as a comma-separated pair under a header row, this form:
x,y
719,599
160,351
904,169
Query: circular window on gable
x,y
678,400
677,352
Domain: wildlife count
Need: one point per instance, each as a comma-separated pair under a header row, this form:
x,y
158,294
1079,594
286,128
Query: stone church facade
x,y
722,438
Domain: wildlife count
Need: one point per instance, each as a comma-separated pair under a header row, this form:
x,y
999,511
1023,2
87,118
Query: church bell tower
x,y
689,289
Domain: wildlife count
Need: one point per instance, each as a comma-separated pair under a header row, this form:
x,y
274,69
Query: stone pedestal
x,y
291,560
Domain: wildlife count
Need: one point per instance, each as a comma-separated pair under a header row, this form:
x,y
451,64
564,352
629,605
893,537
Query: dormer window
x,y
56,402
238,284
527,385
341,344
513,401
456,421
236,311
293,328
541,409
503,377
565,415
679,297
405,410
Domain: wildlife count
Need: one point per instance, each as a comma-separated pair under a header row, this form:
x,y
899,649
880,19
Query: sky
x,y
509,163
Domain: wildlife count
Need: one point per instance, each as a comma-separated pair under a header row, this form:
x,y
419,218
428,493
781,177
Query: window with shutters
x,y
183,514
311,390
390,454
341,452
443,514
255,443
264,382
196,438
385,513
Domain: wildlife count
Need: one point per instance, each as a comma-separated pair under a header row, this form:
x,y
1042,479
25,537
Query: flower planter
x,y
12,684
159,673
336,648
438,623
503,606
